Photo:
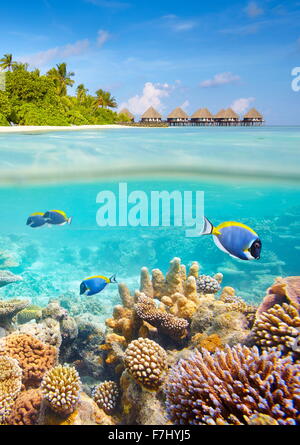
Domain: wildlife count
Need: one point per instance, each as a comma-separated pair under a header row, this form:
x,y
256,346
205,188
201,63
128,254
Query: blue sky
x,y
166,53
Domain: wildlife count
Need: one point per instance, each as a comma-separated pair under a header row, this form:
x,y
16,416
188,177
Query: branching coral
x,y
26,408
231,384
107,395
9,308
10,384
60,388
280,327
34,357
167,323
146,361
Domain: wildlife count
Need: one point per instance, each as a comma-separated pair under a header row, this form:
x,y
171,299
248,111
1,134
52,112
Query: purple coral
x,y
232,385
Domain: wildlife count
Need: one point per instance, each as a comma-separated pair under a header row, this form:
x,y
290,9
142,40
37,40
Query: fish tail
x,y
208,227
70,220
112,279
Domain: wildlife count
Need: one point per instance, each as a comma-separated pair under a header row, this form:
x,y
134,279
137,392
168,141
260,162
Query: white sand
x,y
36,129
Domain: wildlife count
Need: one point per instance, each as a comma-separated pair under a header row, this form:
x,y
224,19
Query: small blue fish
x,y
234,238
57,217
36,220
94,285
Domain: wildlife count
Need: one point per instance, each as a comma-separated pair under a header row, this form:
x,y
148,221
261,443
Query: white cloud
x,y
184,26
152,95
103,36
253,10
43,57
220,79
242,104
185,104
111,4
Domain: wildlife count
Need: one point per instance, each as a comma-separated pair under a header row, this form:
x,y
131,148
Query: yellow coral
x,y
10,384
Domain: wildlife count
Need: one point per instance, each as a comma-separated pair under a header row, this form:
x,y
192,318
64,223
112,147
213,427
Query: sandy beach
x,y
37,129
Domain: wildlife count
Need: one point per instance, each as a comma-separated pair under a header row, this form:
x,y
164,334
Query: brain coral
x,y
232,385
10,384
34,357
60,387
169,324
207,285
26,408
280,327
146,361
106,395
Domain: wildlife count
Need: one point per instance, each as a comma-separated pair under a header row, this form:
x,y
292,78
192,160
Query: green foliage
x,y
34,99
122,117
3,120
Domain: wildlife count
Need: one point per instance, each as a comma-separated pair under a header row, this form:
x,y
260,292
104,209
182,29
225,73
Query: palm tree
x,y
7,63
104,99
62,78
81,93
19,66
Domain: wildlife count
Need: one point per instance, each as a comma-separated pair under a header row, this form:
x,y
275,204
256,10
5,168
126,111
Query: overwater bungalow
x,y
127,113
202,117
151,115
230,117
218,118
253,117
178,117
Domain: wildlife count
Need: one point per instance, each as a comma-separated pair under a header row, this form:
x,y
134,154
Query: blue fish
x,y
234,238
94,285
36,220
57,217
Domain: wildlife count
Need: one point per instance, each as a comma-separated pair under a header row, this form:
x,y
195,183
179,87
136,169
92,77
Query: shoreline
x,y
42,128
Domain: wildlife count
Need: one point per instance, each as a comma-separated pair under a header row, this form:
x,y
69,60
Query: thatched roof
x,y
151,113
127,112
220,114
253,114
202,113
178,113
230,114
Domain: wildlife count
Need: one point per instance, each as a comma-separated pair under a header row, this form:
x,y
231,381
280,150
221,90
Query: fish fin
x,y
219,245
112,279
208,227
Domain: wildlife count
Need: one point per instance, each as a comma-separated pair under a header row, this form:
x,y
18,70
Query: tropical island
x,y
32,98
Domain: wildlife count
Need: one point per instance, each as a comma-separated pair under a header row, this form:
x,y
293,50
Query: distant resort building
x,y
178,117
127,113
253,117
151,115
201,117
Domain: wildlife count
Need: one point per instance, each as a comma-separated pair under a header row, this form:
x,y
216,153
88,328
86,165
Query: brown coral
x,y
10,384
106,395
167,323
60,388
232,385
209,342
10,308
146,361
283,290
34,357
26,408
280,327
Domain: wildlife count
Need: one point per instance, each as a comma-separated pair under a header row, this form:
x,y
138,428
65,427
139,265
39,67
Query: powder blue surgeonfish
x,y
57,218
234,238
36,220
94,285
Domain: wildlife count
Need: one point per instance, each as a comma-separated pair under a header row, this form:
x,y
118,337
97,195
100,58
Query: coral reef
x,y
47,331
231,384
26,408
60,388
207,285
33,356
8,309
279,327
31,312
10,384
166,323
107,395
146,362
7,277
283,290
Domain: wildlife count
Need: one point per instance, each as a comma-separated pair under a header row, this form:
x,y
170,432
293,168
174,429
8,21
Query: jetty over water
x,y
202,117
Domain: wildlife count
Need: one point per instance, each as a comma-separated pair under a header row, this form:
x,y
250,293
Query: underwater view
x,y
135,322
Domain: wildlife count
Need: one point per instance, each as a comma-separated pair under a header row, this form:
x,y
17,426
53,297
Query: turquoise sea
x,y
250,175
